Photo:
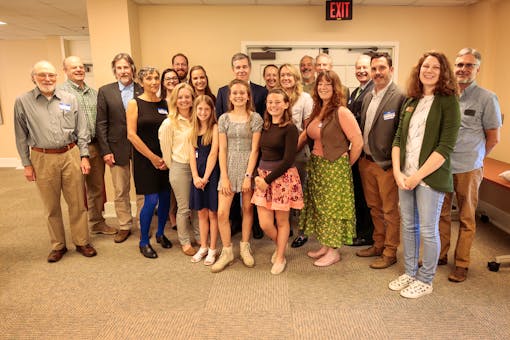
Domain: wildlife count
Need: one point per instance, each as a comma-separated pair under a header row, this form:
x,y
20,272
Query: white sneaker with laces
x,y
416,290
401,282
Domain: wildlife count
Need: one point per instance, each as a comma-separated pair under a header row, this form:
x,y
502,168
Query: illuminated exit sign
x,y
339,10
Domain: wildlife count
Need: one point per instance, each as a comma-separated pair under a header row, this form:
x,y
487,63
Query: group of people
x,y
302,148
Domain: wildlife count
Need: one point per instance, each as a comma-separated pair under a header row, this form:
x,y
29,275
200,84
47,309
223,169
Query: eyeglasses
x,y
46,75
171,78
467,65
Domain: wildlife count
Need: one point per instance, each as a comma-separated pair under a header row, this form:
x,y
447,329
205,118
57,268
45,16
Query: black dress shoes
x,y
357,242
165,243
299,241
148,252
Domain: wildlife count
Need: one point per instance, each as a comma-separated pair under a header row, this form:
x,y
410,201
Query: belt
x,y
59,150
368,157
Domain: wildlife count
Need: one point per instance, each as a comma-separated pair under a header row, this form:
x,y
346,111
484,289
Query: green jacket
x,y
441,130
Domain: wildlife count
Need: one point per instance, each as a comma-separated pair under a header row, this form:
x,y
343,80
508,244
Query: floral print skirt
x,y
282,194
329,211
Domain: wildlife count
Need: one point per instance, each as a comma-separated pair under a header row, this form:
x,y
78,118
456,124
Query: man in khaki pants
x,y
49,122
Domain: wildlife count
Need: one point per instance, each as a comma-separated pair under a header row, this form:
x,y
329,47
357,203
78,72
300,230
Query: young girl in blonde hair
x,y
205,171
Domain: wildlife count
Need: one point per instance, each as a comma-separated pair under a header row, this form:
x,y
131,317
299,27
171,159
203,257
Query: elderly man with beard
x,y
48,122
307,69
364,225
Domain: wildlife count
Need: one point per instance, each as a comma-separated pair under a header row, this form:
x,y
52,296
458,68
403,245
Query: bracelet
x,y
247,175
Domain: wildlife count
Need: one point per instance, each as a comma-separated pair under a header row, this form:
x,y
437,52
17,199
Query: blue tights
x,y
147,212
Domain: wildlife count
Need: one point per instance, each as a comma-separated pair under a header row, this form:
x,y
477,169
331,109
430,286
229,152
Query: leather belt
x,y
368,157
60,150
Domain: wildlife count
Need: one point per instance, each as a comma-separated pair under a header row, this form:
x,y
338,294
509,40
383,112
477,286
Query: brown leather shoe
x,y
122,235
56,255
383,262
459,274
369,252
86,250
190,251
103,228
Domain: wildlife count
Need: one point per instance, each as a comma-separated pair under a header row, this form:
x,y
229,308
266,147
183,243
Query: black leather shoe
x,y
357,242
148,252
257,232
165,243
299,241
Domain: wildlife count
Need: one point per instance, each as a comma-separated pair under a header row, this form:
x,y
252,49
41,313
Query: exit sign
x,y
339,10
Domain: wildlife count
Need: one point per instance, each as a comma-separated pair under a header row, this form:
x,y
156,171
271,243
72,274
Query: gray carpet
x,y
121,295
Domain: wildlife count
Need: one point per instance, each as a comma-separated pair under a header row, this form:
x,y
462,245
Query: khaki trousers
x,y
58,174
94,182
466,187
121,178
381,194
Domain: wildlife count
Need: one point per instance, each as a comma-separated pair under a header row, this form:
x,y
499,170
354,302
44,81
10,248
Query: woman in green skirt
x,y
329,198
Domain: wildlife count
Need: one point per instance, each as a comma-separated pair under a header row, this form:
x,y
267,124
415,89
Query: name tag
x,y
469,112
162,111
389,115
64,107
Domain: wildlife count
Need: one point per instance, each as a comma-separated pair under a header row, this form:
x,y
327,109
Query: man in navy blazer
x,y
111,133
241,66
380,113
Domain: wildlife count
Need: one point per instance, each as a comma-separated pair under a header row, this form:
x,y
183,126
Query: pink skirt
x,y
283,193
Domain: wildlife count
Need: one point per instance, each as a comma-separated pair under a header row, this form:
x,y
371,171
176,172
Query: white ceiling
x,y
32,19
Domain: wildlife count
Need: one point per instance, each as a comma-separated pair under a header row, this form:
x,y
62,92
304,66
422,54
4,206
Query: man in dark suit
x,y
111,133
380,112
241,66
364,225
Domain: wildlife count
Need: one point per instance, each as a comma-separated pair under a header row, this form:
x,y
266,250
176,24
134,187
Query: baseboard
x,y
109,210
11,163
496,216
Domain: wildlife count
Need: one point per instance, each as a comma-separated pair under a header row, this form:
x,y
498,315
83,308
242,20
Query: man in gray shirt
x,y
87,102
49,122
478,134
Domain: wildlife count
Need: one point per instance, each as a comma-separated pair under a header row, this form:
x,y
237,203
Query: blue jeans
x,y
420,210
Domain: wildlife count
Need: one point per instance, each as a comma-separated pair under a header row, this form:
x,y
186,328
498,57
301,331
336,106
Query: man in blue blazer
x,y
241,66
380,113
111,133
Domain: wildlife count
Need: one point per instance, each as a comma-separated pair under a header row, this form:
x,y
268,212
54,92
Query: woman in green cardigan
x,y
426,135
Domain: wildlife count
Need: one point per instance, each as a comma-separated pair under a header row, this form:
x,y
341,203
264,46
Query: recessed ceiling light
x,y
3,23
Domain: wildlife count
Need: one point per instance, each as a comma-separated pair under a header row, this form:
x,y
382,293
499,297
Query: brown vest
x,y
334,142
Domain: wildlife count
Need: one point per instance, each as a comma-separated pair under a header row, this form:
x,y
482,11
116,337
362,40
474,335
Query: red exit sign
x,y
339,10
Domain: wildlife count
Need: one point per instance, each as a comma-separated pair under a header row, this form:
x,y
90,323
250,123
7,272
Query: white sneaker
x,y
211,257
401,282
416,290
273,257
199,255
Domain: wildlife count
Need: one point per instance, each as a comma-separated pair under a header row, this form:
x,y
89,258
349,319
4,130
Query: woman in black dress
x,y
144,116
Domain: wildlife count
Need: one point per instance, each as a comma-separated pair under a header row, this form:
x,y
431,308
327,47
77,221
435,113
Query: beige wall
x,y
209,35
16,61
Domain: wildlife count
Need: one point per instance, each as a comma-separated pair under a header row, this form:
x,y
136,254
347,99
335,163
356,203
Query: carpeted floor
x,y
121,295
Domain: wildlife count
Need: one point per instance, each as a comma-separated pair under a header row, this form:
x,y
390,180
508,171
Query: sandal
x,y
211,257
199,255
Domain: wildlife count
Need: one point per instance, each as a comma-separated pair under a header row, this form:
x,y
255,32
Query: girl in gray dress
x,y
239,136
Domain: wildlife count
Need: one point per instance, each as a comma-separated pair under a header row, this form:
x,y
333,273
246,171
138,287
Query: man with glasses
x,y
478,134
48,121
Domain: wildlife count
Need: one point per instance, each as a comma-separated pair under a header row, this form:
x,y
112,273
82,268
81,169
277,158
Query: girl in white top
x,y
174,139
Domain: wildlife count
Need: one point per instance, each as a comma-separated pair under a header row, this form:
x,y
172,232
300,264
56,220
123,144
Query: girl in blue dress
x,y
205,172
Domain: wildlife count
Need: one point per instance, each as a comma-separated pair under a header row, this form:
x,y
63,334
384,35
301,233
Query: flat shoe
x,y
190,251
56,255
86,250
278,268
121,236
299,241
164,241
148,252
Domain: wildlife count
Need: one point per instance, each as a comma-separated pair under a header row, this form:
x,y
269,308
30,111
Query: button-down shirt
x,y
479,110
127,93
87,101
48,123
370,115
174,139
